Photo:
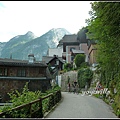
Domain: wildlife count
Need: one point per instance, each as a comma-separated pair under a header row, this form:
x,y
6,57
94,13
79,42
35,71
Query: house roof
x,y
60,44
69,38
77,51
47,59
15,62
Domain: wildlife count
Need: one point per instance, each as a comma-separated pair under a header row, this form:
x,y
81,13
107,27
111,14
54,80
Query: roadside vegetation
x,y
19,98
104,26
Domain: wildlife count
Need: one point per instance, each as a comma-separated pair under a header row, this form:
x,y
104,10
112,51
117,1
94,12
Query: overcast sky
x,y
19,17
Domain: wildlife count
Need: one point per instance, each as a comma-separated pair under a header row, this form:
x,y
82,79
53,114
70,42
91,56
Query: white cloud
x,y
18,17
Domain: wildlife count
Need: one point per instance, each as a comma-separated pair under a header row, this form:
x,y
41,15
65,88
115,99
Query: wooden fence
x,y
34,109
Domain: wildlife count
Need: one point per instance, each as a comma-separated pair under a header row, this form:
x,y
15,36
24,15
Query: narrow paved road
x,y
77,106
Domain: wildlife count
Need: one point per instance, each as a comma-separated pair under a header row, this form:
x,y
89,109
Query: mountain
x,y
22,45
53,36
15,44
2,44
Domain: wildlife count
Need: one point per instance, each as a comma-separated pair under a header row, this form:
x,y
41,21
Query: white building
x,y
55,51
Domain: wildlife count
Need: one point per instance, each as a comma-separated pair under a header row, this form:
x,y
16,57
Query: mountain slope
x,y
2,44
14,44
22,45
53,36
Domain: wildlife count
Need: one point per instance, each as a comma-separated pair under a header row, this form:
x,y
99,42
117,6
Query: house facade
x,y
69,49
92,52
53,61
55,65
15,73
68,42
55,51
71,46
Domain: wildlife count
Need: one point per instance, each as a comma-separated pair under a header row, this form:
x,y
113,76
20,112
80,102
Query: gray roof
x,y
77,51
69,38
15,62
47,59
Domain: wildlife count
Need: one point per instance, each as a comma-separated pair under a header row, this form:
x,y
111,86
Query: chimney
x,y
31,58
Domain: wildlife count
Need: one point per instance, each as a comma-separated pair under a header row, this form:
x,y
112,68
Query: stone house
x,y
15,73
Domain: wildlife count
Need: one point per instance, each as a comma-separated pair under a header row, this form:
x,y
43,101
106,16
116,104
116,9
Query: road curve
x,y
78,106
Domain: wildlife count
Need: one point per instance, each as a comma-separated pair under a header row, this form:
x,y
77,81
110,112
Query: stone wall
x,y
7,86
64,78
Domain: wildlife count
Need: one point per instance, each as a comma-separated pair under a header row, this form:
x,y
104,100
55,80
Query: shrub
x,y
25,97
79,59
85,75
68,66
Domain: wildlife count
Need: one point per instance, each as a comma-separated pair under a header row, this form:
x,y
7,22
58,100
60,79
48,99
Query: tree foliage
x,y
82,33
26,96
85,75
104,26
79,59
68,66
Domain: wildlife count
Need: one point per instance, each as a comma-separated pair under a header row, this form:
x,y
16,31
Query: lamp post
x,y
57,64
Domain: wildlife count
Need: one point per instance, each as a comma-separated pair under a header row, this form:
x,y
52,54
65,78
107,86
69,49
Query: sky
x,y
19,17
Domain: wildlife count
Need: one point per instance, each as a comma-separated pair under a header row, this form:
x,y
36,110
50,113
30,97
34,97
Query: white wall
x,y
55,51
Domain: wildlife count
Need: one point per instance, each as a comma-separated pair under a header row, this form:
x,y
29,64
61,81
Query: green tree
x,y
81,35
80,78
68,66
104,26
79,59
85,75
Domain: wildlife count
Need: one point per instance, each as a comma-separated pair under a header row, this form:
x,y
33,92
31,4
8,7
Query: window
x,y
3,71
21,73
